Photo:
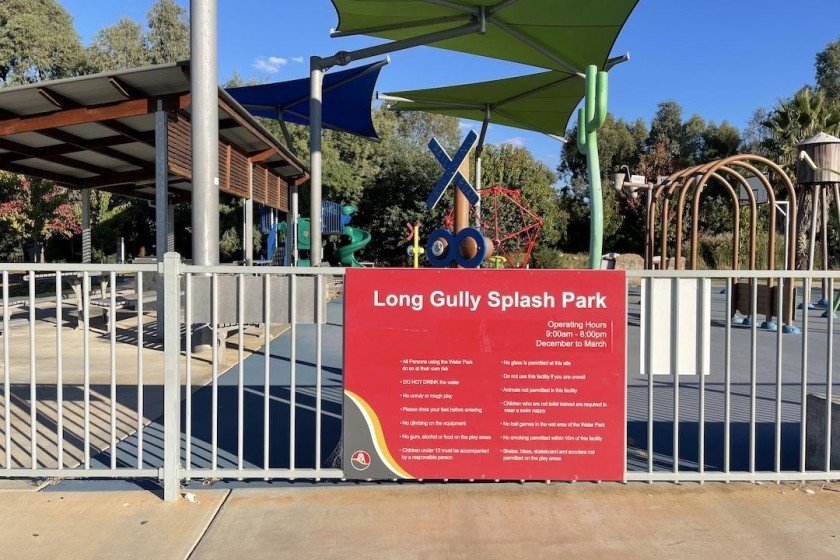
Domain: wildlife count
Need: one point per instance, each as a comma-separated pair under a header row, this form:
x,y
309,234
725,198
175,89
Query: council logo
x,y
360,460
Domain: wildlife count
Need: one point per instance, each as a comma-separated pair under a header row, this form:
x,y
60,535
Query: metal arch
x,y
751,158
686,186
736,240
695,214
651,217
771,197
745,161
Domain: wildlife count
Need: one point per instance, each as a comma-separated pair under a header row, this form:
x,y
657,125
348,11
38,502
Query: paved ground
x,y
430,521
113,525
126,352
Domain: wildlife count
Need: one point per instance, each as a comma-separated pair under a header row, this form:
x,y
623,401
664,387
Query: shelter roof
x,y
97,131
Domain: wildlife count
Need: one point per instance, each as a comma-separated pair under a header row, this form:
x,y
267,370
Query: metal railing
x,y
265,417
245,381
63,414
736,406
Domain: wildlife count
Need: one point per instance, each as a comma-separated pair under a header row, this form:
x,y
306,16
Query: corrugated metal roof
x,y
97,146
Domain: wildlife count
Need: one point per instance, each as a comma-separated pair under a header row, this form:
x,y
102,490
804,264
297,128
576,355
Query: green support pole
x,y
590,119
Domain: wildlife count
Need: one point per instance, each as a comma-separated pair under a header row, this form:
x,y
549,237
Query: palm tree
x,y
793,120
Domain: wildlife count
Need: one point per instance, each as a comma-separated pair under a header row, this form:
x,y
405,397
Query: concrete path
x,y
533,521
113,525
430,521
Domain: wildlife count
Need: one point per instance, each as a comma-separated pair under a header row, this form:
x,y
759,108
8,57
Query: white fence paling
x,y
686,351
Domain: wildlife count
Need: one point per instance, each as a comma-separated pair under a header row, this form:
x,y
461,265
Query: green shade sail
x,y
541,102
554,34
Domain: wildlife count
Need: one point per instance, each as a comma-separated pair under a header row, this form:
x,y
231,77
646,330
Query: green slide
x,y
347,253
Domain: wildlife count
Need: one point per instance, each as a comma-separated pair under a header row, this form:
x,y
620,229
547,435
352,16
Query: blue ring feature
x,y
444,260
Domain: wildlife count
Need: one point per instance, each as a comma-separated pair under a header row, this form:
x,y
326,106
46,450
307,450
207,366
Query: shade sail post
x,y
205,132
316,84
291,226
590,118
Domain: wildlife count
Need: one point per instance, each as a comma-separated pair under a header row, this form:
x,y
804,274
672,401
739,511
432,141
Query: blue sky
x,y
719,58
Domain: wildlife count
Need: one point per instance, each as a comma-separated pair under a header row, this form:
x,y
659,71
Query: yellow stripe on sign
x,y
377,434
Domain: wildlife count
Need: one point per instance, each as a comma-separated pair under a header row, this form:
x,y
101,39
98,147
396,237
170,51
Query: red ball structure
x,y
509,222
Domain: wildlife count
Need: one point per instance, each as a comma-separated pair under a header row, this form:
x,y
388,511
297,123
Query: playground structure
x,y
818,171
692,182
335,221
510,223
504,31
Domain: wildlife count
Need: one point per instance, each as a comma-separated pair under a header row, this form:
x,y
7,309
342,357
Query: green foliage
x,y
798,118
516,168
168,39
828,70
128,44
670,144
37,42
122,45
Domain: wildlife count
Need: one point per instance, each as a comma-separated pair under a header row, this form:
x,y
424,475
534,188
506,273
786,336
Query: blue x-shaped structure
x,y
450,171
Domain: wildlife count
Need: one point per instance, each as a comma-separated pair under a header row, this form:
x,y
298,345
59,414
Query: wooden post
x,y
462,212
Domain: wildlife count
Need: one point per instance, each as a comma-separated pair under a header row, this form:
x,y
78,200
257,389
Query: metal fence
x,y
714,396
63,408
245,381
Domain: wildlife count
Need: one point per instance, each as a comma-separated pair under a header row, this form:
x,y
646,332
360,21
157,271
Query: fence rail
x,y
245,380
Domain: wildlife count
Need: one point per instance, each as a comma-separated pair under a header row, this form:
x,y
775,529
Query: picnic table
x,y
128,301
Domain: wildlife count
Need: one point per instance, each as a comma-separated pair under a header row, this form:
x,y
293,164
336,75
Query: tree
x,y
795,119
828,70
37,42
619,143
168,39
667,129
119,46
128,44
34,210
516,168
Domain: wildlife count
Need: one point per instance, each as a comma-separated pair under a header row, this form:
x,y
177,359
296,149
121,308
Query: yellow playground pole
x,y
417,250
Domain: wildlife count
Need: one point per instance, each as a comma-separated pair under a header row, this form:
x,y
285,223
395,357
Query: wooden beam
x,y
35,153
147,138
78,115
100,146
256,157
124,89
65,103
59,149
246,125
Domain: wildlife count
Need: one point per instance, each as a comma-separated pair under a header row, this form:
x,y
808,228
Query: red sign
x,y
484,374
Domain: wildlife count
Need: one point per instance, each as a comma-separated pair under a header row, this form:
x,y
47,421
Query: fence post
x,y
171,309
